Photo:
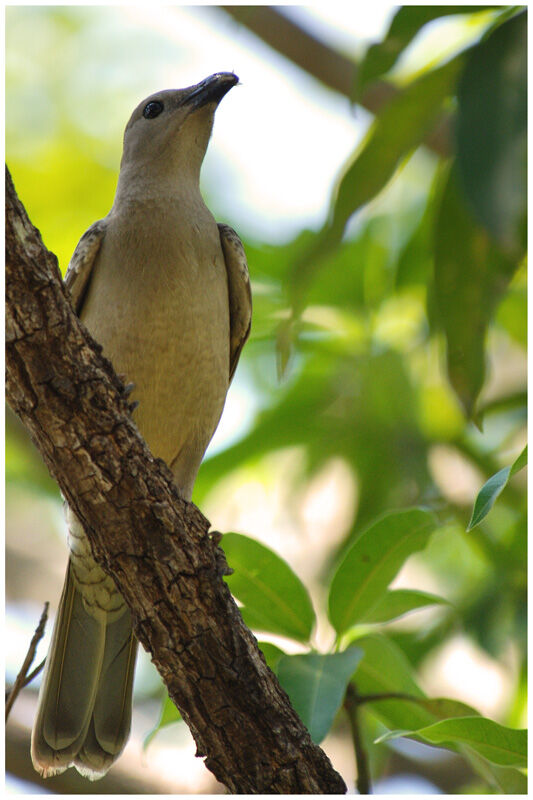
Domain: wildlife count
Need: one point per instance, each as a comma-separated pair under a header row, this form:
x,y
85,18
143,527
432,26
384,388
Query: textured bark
x,y
156,546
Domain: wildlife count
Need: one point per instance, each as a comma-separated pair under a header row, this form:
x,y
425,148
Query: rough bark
x,y
156,546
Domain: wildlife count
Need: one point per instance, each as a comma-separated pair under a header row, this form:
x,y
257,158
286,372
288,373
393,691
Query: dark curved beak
x,y
211,89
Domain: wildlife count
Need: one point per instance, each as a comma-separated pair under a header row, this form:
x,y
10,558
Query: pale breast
x,y
158,304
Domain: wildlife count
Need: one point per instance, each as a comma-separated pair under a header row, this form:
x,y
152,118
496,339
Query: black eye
x,y
152,109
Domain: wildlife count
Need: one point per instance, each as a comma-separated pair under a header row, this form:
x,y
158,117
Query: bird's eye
x,y
152,109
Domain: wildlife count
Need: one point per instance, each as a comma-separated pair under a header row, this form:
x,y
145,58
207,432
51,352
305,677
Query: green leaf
x,y
316,685
384,669
272,654
506,747
492,132
471,275
505,780
492,488
406,23
512,313
400,128
444,707
273,597
397,602
372,562
519,463
169,714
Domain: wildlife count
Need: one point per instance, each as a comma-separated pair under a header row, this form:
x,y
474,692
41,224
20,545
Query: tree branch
x,y
155,546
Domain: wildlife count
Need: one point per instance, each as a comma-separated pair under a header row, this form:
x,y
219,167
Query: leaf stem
x,y
351,704
352,701
376,698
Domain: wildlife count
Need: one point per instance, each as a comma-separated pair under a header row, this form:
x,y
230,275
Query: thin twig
x,y
351,704
34,673
22,678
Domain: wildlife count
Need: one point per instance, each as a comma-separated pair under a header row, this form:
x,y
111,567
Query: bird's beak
x,y
211,90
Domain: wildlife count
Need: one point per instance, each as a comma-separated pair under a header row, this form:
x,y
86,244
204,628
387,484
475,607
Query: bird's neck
x,y
137,186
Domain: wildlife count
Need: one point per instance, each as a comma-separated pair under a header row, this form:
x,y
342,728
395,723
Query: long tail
x,y
84,713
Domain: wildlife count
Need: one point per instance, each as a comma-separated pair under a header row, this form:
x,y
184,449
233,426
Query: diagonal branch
x,y
155,546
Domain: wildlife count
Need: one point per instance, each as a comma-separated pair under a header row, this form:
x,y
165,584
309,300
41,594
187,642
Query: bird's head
x,y
170,129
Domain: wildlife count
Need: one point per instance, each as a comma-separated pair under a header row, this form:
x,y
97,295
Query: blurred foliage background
x,y
386,368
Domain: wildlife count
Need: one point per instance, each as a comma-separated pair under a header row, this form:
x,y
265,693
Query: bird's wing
x,y
240,295
82,261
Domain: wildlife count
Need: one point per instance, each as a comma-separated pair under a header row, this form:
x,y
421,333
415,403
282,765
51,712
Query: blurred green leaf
x,y
504,780
272,654
512,314
273,597
519,463
169,714
400,127
492,132
471,275
492,488
405,25
356,405
444,707
316,685
368,567
498,744
384,669
415,259
23,462
397,602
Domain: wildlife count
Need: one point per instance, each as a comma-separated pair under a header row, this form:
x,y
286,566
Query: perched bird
x,y
165,291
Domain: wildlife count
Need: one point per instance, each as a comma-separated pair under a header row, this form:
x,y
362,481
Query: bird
x,y
165,291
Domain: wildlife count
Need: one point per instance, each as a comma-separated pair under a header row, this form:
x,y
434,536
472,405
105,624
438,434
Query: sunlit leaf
x,y
492,132
519,463
397,602
506,747
405,25
371,563
273,597
316,685
512,314
492,488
